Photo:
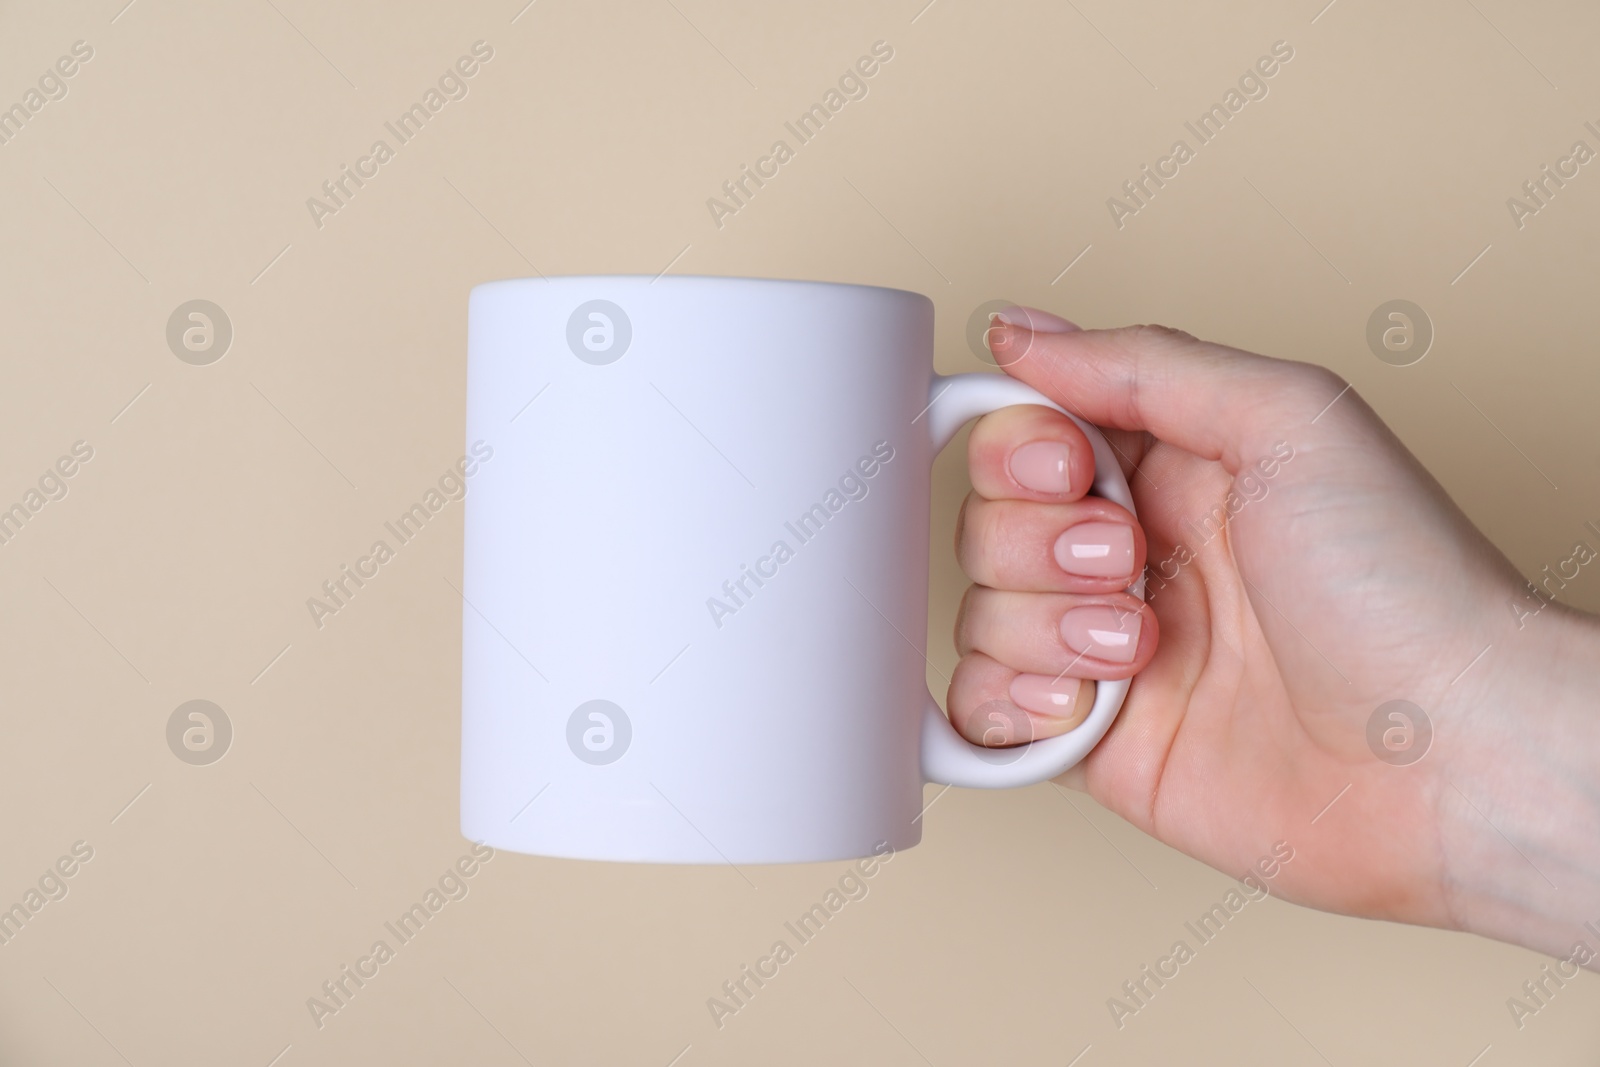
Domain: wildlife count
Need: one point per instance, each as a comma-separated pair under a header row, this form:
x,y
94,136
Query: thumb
x,y
1217,402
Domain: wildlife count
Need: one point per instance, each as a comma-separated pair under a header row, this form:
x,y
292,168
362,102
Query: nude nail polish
x,y
1035,320
1103,632
1044,695
1096,550
1043,466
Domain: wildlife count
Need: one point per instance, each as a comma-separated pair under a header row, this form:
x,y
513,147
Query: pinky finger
x,y
995,706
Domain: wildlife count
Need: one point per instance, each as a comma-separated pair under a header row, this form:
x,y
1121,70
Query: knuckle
x,y
963,622
961,529
1149,334
1316,385
1316,377
985,528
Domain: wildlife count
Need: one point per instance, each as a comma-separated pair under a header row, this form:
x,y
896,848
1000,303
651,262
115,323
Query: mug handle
x,y
947,757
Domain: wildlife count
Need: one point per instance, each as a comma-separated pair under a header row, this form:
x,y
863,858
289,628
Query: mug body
x,y
695,568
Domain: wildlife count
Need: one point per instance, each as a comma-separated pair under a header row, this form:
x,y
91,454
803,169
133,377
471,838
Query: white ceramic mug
x,y
696,574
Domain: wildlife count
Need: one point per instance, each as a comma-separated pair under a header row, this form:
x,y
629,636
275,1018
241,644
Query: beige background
x,y
977,168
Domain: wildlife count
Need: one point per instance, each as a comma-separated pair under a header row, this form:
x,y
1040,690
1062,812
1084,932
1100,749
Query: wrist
x,y
1517,812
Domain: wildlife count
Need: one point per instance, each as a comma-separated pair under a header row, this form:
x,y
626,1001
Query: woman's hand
x,y
1303,571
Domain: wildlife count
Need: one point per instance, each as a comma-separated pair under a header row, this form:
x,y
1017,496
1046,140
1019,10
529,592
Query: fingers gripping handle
x,y
947,757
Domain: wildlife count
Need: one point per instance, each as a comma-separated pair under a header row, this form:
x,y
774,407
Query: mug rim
x,y
679,278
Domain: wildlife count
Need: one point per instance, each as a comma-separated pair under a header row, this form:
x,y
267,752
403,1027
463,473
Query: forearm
x,y
1518,790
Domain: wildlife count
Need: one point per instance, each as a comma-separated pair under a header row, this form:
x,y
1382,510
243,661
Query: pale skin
x,y
1344,579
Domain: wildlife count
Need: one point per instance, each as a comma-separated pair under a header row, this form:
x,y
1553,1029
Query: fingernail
x,y
1035,320
1044,695
1103,632
1043,466
1096,550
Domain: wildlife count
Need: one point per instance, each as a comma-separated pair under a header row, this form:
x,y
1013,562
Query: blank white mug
x,y
696,571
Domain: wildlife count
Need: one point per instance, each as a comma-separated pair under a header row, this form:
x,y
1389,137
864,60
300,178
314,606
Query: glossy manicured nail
x,y
1096,550
1043,466
1035,320
1103,632
1044,695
